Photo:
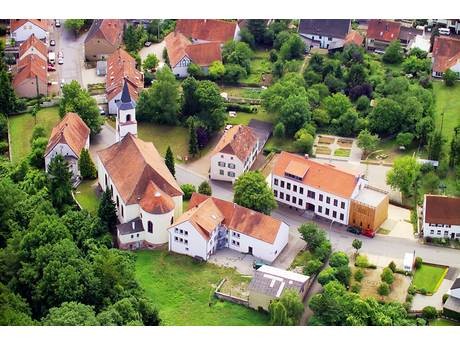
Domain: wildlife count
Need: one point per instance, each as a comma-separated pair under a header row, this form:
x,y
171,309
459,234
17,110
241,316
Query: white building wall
x,y
131,238
113,109
65,151
188,242
180,69
26,30
439,230
160,223
227,172
325,41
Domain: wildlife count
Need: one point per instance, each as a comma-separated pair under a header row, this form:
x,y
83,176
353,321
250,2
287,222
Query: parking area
x,y
155,48
398,223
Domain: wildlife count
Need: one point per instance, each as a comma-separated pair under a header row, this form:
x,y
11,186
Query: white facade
x,y
439,230
296,194
324,42
454,68
112,104
181,68
69,155
26,30
125,122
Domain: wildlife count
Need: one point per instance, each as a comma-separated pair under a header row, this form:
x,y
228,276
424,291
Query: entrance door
x,y
250,250
452,236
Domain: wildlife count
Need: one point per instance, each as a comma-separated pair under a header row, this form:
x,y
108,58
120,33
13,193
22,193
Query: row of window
x,y
235,234
327,213
288,198
288,186
229,174
446,233
180,239
181,231
441,225
132,236
236,243
229,165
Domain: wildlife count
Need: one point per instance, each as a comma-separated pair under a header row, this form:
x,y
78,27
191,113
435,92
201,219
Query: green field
x,y
21,128
86,196
444,322
342,152
183,289
447,102
429,277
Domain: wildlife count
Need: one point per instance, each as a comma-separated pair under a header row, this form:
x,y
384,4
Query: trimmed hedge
x,y
241,107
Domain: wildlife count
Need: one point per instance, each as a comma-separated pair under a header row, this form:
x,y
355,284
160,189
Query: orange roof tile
x,y
383,30
17,23
109,29
155,200
238,140
442,209
446,53
35,43
31,66
71,131
238,218
207,29
354,37
325,177
132,164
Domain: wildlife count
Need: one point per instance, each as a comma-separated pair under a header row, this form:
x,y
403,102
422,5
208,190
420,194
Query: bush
x,y
409,298
387,276
359,275
338,259
327,275
3,147
421,322
343,275
241,107
392,266
383,289
279,131
323,251
312,267
204,188
411,290
355,288
188,190
362,261
418,262
422,291
429,313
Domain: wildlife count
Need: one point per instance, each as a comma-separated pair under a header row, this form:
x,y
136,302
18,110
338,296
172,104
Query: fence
x,y
229,298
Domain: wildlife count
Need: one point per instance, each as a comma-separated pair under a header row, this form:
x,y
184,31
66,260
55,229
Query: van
x,y
52,57
444,31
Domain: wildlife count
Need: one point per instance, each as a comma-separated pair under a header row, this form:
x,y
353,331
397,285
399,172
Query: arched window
x,y
111,190
105,180
172,220
150,226
118,202
128,117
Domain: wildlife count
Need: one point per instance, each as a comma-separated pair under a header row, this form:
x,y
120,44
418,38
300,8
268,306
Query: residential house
x,y
31,79
451,307
269,283
121,69
211,224
103,38
441,216
22,29
234,154
354,37
67,139
182,52
322,189
381,32
446,55
33,46
208,30
146,195
452,24
324,33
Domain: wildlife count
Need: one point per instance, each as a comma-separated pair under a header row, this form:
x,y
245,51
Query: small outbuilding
x,y
409,261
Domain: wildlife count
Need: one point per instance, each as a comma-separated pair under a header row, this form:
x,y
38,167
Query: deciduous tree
x,y
251,191
287,310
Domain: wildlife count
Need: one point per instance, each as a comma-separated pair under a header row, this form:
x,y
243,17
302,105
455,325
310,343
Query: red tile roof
x,y
237,218
120,67
354,37
31,66
441,209
383,30
155,200
35,43
238,140
109,29
17,23
322,176
71,131
207,29
132,164
446,53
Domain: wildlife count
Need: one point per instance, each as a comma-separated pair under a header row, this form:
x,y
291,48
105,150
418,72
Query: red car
x,y
51,68
368,233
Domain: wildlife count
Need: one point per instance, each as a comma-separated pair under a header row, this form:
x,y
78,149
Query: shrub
x,y
355,288
418,262
188,190
409,298
338,259
343,275
279,131
422,291
241,107
204,188
383,289
387,276
444,298
312,267
411,290
3,147
429,313
421,322
392,266
327,275
359,275
323,251
362,261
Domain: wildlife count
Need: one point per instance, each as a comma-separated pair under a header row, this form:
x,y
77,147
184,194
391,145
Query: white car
x,y
232,113
62,83
60,55
60,61
57,23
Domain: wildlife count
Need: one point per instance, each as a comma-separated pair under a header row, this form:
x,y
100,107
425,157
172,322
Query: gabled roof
x,y
383,30
446,53
155,200
132,163
17,23
337,28
35,43
71,131
408,34
121,69
238,218
354,37
322,176
441,209
31,66
110,30
238,140
126,101
207,29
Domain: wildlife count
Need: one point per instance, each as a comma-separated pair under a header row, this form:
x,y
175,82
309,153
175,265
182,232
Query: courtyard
x,y
336,148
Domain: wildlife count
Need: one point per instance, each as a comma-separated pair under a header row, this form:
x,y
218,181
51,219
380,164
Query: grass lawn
x,y
86,196
447,102
301,258
444,322
429,277
383,231
391,148
245,92
244,118
342,152
183,289
259,65
22,126
284,144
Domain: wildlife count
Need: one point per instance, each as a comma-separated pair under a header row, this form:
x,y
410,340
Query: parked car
x,y
354,230
148,44
52,43
51,68
62,83
60,55
101,110
57,23
369,233
60,61
258,264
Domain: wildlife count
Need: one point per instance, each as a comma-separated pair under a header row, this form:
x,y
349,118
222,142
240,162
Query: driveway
x,y
155,48
102,140
421,301
398,223
233,259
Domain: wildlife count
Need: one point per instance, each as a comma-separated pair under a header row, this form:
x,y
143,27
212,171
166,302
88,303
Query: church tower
x,y
126,114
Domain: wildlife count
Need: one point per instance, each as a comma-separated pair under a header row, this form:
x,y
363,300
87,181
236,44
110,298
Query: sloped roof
x,y
323,176
337,28
354,37
71,131
207,29
240,219
446,53
238,140
409,33
456,284
17,23
109,29
121,68
440,209
30,66
132,164
383,30
155,200
35,43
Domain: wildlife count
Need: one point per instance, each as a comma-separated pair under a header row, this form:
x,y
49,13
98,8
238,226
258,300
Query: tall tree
x,y
86,165
404,175
252,191
135,37
393,53
211,106
169,161
193,141
7,95
107,211
74,25
71,314
257,27
286,310
435,146
367,141
60,185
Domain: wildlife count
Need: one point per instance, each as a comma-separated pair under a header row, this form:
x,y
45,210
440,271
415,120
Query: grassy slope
x,y
428,277
21,128
183,289
447,101
86,196
444,322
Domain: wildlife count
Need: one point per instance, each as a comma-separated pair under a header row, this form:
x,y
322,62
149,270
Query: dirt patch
x,y
237,289
347,143
323,150
325,140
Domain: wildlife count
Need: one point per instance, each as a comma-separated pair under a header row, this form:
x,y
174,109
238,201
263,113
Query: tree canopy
x,y
252,191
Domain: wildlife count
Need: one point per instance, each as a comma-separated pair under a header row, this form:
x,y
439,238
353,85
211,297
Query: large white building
x,y
441,217
67,139
234,154
324,190
22,29
211,224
